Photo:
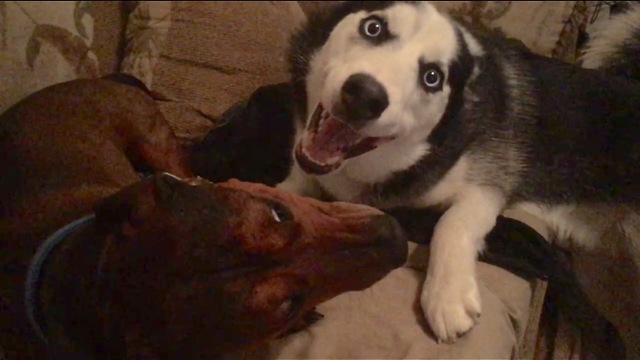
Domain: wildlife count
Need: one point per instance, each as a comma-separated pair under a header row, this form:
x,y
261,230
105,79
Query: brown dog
x,y
164,268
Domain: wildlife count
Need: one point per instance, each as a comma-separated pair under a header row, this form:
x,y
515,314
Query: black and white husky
x,y
397,104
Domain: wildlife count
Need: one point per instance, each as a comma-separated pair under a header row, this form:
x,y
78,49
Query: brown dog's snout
x,y
389,234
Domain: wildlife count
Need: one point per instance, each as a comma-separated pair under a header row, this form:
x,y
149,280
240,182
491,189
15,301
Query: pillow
x,y
385,321
200,58
41,44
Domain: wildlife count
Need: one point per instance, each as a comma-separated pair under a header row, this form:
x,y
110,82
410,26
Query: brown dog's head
x,y
194,269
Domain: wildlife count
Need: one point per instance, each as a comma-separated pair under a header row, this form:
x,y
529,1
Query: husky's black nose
x,y
363,98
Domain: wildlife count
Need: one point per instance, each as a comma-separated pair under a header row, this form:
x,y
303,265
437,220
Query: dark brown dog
x,y
167,268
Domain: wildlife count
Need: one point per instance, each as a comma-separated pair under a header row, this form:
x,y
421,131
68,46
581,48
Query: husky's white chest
x,y
349,184
377,166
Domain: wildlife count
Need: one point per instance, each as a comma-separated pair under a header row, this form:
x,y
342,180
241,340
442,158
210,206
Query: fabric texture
x,y
41,44
146,31
200,58
110,22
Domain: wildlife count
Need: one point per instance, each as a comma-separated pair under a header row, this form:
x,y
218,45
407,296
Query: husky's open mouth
x,y
328,141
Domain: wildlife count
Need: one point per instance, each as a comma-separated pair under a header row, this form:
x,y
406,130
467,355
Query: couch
x,y
200,58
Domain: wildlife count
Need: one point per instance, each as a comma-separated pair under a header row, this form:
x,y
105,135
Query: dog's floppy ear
x,y
132,204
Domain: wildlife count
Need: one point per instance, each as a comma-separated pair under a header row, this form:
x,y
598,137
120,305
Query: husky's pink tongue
x,y
332,138
328,141
323,150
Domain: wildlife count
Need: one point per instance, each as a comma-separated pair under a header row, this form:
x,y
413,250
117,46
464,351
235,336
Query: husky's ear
x,y
133,204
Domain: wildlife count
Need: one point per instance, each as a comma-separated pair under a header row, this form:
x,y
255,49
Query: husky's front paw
x,y
299,183
452,308
290,185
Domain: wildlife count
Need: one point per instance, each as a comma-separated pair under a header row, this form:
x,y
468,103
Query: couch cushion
x,y
385,320
203,57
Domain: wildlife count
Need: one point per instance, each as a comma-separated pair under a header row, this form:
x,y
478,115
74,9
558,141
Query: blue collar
x,y
38,261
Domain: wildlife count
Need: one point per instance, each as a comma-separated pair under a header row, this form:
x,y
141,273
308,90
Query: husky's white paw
x,y
300,183
451,307
297,182
290,186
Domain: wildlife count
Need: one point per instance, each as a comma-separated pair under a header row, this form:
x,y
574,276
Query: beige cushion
x,y
209,55
385,321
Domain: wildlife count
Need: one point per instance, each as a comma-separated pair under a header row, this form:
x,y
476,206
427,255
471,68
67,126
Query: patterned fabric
x,y
146,32
41,44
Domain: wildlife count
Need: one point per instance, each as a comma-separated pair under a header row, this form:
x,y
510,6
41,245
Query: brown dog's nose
x,y
390,235
363,98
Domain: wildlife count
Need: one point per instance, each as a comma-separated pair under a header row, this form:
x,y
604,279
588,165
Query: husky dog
x,y
398,104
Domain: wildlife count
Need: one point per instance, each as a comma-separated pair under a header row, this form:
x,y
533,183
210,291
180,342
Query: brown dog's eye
x,y
280,213
289,308
286,308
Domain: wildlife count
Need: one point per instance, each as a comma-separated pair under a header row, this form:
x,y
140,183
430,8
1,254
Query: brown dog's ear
x,y
132,204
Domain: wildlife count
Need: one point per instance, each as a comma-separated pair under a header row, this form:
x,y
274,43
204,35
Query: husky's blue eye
x,y
431,77
373,28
